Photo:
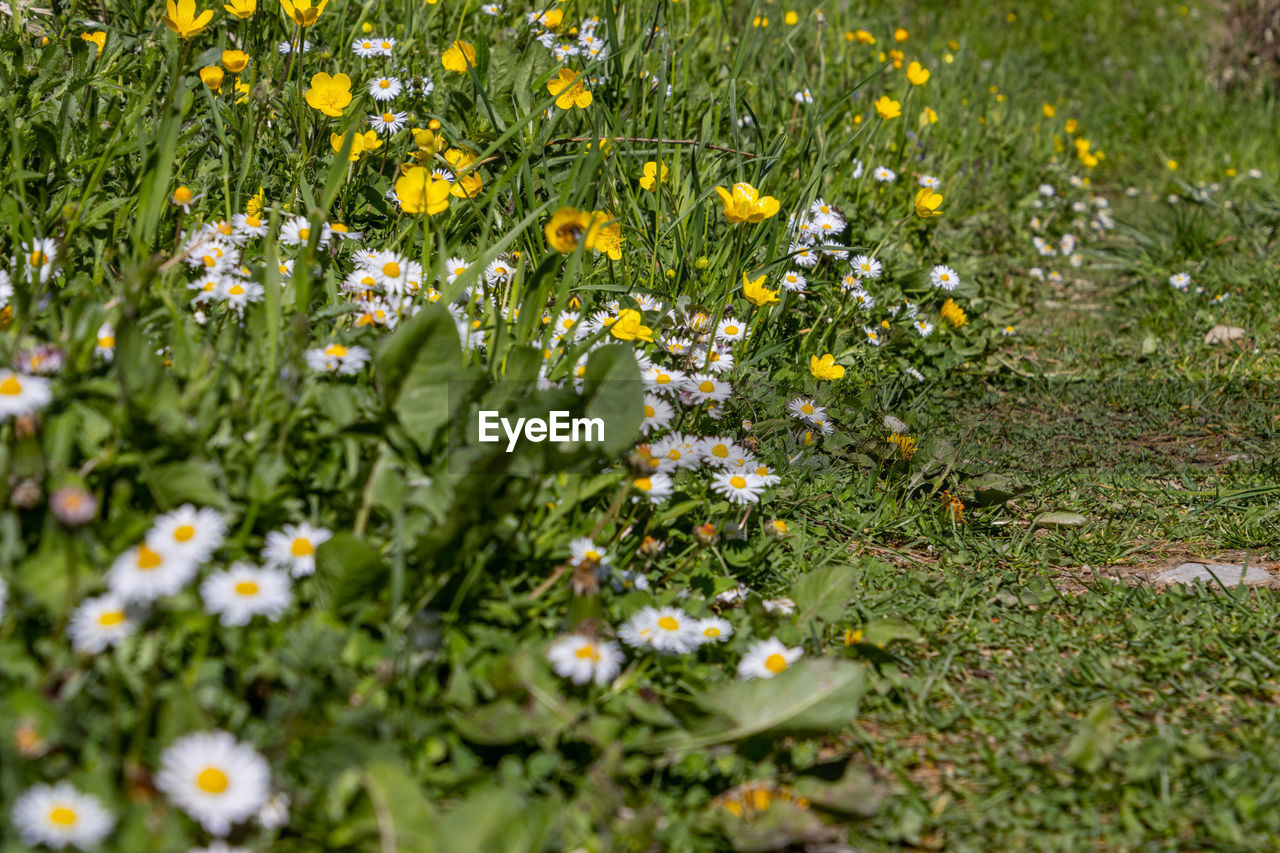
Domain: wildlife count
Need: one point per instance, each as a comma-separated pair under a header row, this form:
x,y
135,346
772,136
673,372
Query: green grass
x,y
974,679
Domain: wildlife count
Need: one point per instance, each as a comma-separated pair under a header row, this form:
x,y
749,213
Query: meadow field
x,y
923,353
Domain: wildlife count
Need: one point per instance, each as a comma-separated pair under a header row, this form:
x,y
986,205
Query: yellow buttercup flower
x,y
917,74
302,12
756,293
900,35
864,37
569,90
360,143
825,368
459,57
888,108
568,227
744,204
1048,110
242,9
609,240
419,191
630,326
183,20
96,38
927,203
928,116
329,95
1071,125
428,143
211,76
654,174
234,60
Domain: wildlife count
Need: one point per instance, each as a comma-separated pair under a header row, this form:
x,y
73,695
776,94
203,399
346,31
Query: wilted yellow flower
x,y
241,8
744,204
211,76
654,174
825,368
928,116
569,89
917,74
906,444
757,294
888,108
98,38
927,202
630,326
329,95
183,20
419,191
459,57
302,12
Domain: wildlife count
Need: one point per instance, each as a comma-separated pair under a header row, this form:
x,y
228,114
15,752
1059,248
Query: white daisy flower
x,y
944,277
98,623
499,271
738,487
145,574
928,182
294,548
388,122
337,358
38,256
187,532
805,409
581,659
719,450
666,629
714,629
866,267
366,48
924,327
244,591
583,551
658,414
663,379
793,281
296,231
1180,281
884,175
731,329
214,778
386,45
766,659
22,395
656,487
59,816
674,452
384,88
704,387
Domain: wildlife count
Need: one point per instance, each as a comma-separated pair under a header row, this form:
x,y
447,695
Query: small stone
x,y
1223,334
1228,574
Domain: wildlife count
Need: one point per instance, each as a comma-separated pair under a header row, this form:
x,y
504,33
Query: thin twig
x,y
698,142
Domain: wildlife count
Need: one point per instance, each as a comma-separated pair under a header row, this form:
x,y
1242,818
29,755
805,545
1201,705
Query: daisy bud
x,y
705,534
776,529
650,548
26,494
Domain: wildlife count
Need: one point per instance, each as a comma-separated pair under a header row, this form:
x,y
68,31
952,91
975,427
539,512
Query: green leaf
x,y
823,593
813,697
346,569
193,481
415,365
405,819
615,393
1058,520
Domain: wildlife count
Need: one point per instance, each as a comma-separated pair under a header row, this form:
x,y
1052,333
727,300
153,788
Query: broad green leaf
x,y
823,593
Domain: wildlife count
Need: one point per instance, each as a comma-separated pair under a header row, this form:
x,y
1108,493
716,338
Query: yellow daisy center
x,y
775,663
738,482
335,350
10,387
62,816
707,387
644,484
111,618
668,623
384,84
148,559
302,548
212,781
711,632
247,588
391,269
